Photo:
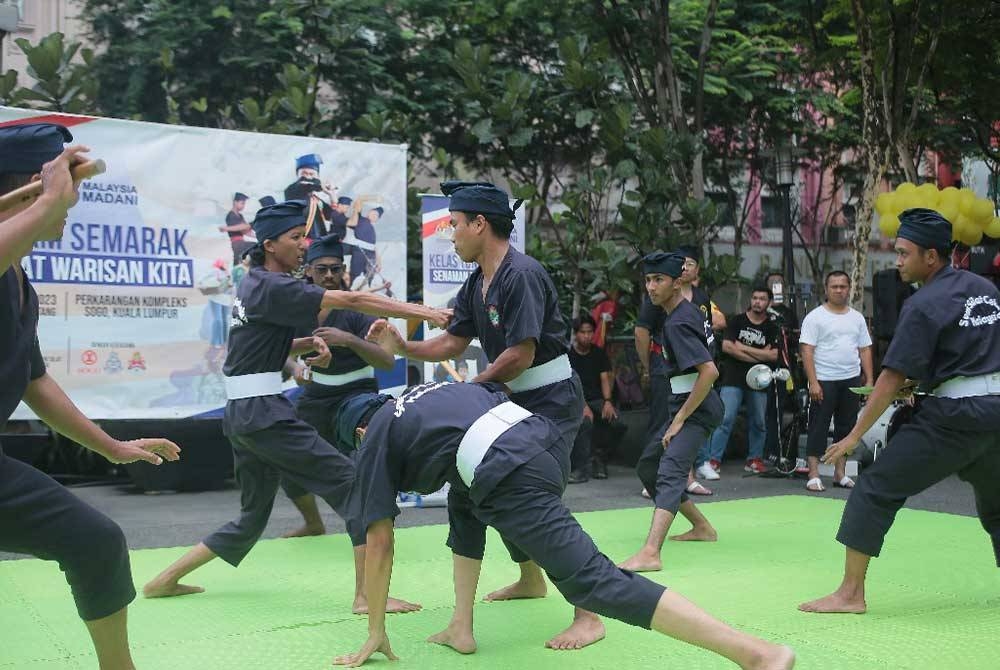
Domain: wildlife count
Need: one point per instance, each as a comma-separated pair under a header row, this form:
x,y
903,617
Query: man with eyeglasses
x,y
351,371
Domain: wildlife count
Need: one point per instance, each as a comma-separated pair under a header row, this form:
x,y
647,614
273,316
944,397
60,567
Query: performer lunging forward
x,y
512,467
269,440
510,304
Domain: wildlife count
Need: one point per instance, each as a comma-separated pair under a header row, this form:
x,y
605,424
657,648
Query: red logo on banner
x,y
89,357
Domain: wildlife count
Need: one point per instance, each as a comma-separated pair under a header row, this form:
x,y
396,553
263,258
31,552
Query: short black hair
x,y
501,226
774,273
582,319
837,273
760,288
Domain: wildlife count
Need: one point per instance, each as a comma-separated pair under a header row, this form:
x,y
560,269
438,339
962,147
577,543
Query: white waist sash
x,y
554,371
367,372
481,435
683,383
253,386
969,387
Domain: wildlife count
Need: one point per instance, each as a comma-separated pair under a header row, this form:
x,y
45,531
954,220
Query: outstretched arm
x,y
378,572
53,406
377,305
440,348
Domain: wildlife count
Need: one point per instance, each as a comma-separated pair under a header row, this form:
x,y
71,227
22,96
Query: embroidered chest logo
x,y
987,314
494,315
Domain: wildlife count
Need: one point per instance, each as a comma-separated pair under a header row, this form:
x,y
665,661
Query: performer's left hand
x,y
323,355
840,449
375,642
150,449
671,433
334,337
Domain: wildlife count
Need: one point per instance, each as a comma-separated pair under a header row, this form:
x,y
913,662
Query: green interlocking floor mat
x,y
934,600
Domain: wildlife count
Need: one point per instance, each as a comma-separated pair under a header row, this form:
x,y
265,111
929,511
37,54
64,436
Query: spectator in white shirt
x,y
836,354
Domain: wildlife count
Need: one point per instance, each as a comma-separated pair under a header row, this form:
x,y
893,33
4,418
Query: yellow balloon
x,y
962,227
947,194
889,225
906,189
982,212
993,229
948,210
884,202
971,236
927,195
966,199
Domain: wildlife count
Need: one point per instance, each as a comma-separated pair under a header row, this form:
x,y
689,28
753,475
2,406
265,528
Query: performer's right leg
x,y
258,482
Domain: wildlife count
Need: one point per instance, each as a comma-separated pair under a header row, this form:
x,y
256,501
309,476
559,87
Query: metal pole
x,y
788,251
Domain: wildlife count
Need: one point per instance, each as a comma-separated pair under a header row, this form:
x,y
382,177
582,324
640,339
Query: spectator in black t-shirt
x,y
590,456
750,339
237,227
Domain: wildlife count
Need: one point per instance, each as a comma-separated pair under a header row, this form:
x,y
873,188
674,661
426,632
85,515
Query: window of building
x,y
772,215
724,213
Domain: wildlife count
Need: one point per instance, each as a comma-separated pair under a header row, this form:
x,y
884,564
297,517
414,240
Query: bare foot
x,y
642,562
461,641
836,603
159,588
697,535
585,630
306,531
777,658
392,606
517,591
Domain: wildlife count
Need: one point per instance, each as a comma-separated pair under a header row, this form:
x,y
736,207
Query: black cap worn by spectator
x,y
659,262
690,251
272,221
479,197
344,200
379,210
328,245
25,148
240,197
925,228
352,414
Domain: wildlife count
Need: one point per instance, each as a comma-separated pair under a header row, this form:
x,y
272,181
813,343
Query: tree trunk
x,y
872,154
908,162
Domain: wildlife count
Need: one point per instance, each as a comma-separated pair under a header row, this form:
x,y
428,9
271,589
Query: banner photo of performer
x,y
136,298
444,273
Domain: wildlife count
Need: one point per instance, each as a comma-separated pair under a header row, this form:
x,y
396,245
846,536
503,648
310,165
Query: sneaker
x,y
706,471
716,465
755,465
578,477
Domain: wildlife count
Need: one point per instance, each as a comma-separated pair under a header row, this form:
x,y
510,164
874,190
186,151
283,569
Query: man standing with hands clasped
x,y
836,349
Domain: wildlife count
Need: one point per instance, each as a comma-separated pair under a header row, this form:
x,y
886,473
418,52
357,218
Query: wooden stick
x,y
450,369
31,191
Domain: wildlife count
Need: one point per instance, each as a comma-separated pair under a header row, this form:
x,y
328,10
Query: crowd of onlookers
x,y
828,353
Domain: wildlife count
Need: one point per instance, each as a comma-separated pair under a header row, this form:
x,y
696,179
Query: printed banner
x,y
135,299
444,274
